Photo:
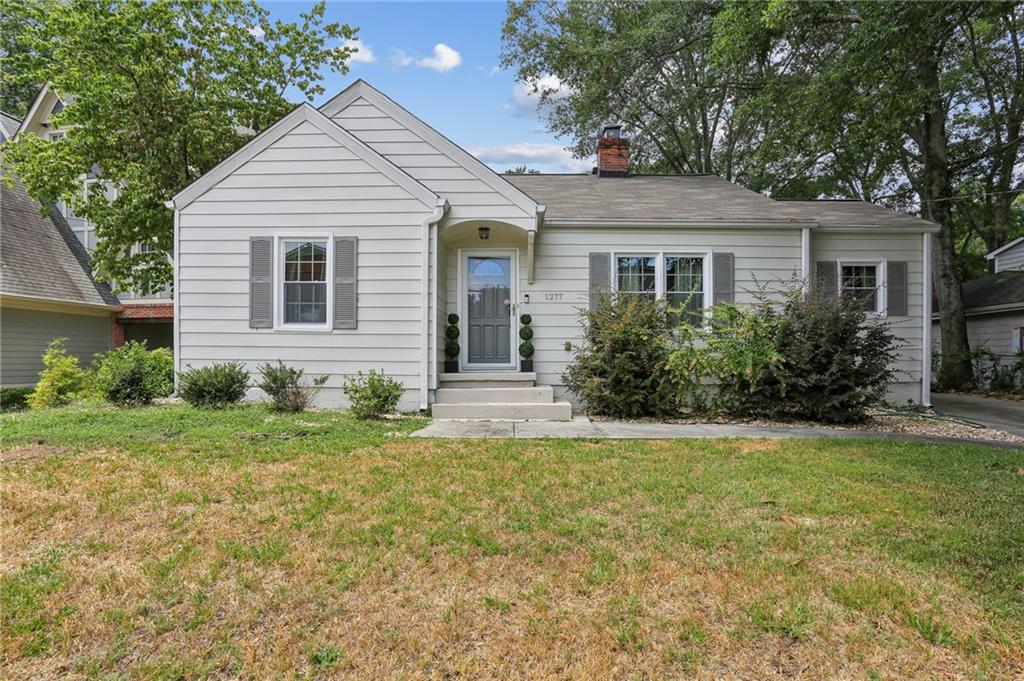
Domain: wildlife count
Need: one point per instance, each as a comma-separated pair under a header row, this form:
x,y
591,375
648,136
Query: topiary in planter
x,y
451,346
526,347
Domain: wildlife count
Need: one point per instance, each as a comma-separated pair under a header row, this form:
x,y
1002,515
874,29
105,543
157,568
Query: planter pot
x,y
526,366
451,366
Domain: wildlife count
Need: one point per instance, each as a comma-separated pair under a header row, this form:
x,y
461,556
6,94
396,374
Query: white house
x,y
340,238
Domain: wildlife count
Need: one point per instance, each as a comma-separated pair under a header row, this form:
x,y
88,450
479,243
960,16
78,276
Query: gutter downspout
x,y
176,328
926,320
429,331
805,258
531,238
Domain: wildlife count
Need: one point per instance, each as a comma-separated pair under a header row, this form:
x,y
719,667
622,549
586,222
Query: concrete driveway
x,y
988,411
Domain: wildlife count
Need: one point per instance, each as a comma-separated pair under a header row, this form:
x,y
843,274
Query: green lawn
x,y
171,543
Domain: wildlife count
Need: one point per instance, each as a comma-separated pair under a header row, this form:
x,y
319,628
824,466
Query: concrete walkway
x,y
988,411
582,427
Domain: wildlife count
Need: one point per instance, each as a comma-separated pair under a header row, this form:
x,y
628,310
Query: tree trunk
x,y
955,370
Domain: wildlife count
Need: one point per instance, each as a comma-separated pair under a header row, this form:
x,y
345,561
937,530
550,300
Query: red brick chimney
x,y
612,153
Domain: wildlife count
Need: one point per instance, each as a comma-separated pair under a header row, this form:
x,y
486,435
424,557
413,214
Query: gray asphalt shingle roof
x,y
8,125
41,257
1001,288
691,197
647,197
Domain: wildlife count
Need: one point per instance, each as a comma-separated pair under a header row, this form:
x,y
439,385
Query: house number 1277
x,y
553,296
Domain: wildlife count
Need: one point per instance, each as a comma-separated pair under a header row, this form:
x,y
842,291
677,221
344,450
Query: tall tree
x,y
157,93
934,90
646,65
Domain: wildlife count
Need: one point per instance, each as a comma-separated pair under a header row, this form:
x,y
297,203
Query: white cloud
x,y
445,59
400,59
553,156
257,32
526,96
362,54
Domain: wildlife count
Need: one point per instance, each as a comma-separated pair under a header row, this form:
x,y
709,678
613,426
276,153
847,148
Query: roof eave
x,y
671,223
1004,247
62,301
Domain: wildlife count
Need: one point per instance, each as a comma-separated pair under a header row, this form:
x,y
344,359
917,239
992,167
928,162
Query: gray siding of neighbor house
x,y
992,332
560,288
308,184
1011,259
24,335
870,246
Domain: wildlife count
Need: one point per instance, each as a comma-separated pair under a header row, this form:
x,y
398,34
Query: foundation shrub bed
x,y
807,355
215,386
287,390
131,375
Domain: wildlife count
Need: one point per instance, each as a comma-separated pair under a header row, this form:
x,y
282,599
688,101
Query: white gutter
x,y
428,330
926,320
60,301
176,328
805,258
881,229
663,224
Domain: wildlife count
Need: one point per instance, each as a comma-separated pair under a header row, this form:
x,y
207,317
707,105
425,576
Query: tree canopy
x,y
156,94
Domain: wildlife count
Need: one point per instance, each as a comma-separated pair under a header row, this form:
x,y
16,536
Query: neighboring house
x,y
46,291
340,238
995,305
8,126
148,318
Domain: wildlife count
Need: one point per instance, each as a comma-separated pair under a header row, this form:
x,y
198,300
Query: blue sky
x,y
440,61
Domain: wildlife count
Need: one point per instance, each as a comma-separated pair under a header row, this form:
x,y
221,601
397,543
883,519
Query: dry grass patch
x,y
354,552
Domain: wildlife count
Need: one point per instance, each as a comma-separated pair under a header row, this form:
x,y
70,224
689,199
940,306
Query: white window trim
x,y
279,323
659,271
882,299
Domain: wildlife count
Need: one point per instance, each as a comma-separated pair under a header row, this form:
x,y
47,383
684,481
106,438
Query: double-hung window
x,y
864,282
679,279
304,266
637,274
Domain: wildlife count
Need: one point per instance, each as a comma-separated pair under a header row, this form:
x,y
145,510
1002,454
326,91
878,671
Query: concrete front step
x,y
536,394
487,379
540,411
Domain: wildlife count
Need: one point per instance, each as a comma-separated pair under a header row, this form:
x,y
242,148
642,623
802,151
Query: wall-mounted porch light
x,y
485,233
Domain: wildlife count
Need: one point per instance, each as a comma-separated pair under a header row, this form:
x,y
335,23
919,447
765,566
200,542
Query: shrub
x,y
819,357
14,399
526,349
61,382
620,366
131,375
373,395
215,386
284,386
451,344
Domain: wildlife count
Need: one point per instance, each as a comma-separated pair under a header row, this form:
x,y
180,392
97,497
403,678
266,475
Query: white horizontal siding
x,y
876,245
470,197
1011,259
304,181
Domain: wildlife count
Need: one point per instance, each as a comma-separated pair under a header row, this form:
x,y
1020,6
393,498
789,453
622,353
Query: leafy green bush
x,y
526,349
814,356
451,333
373,395
14,399
620,366
284,386
61,382
131,375
215,386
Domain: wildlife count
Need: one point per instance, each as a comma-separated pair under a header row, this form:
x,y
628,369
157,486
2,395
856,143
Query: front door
x,y
488,306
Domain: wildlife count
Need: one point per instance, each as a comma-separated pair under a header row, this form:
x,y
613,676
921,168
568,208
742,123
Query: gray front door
x,y
489,308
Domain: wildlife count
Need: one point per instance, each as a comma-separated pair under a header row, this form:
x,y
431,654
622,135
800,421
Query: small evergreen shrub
x,y
620,367
215,386
526,349
451,334
373,395
14,399
285,387
131,375
61,382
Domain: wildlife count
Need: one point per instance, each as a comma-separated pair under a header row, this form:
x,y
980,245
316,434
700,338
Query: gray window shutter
x,y
600,276
345,285
261,282
828,276
896,291
723,275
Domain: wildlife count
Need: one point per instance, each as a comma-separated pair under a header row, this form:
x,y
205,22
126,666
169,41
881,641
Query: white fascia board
x,y
33,110
473,165
303,113
44,300
676,224
1004,247
926,228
